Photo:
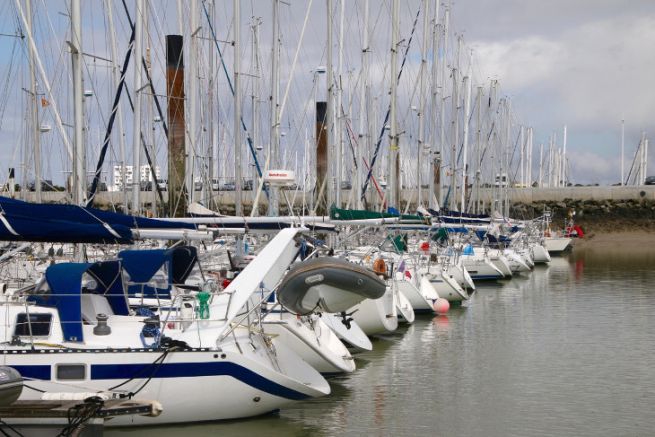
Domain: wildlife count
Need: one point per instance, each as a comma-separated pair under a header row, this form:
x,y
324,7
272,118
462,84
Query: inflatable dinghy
x,y
331,285
11,386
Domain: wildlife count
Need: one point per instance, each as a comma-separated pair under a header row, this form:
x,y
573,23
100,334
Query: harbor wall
x,y
594,216
519,195
596,208
530,195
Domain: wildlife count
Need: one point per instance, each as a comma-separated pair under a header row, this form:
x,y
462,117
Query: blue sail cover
x,y
58,231
108,275
22,221
142,265
65,292
65,282
492,240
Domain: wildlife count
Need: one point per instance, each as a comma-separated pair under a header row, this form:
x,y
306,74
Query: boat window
x,y
71,371
38,322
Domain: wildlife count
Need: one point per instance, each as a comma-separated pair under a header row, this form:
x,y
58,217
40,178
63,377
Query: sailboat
x,y
74,332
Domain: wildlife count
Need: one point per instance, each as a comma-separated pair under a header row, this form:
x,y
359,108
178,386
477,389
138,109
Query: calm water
x,y
566,350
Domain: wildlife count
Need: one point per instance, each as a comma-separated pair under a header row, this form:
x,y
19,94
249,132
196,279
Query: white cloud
x,y
594,73
518,63
588,76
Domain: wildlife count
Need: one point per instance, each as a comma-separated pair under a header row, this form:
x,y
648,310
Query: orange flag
x,y
44,102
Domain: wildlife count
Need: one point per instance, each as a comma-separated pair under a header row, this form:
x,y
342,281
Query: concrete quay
x,y
515,195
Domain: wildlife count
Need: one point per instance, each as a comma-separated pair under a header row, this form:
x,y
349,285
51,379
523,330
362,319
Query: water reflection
x,y
628,257
565,350
269,425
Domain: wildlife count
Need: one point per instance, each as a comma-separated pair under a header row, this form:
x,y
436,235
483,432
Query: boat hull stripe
x,y
173,370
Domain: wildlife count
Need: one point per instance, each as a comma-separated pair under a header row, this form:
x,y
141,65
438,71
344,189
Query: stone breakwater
x,y
594,215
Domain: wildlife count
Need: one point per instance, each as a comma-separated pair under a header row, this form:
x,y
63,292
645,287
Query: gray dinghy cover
x,y
331,272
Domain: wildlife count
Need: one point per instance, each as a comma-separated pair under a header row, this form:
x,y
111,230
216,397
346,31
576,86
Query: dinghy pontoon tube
x,y
11,386
331,285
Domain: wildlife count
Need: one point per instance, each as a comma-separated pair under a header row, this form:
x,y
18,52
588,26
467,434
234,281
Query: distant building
x,y
145,175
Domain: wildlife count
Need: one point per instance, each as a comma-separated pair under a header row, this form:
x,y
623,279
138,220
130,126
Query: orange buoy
x,y
379,266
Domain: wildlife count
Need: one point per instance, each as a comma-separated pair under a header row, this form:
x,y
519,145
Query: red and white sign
x,y
280,177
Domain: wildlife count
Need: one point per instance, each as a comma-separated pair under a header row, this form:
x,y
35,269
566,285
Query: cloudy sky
x,y
585,64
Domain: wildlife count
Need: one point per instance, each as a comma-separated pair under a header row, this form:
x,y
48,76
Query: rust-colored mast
x,y
321,158
176,136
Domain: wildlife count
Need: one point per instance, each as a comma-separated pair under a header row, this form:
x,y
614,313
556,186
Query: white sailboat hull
x,y
404,308
377,316
421,302
446,286
540,254
243,385
481,268
352,335
312,340
556,244
516,262
459,273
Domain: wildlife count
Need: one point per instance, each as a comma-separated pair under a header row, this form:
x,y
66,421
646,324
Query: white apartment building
x,y
145,175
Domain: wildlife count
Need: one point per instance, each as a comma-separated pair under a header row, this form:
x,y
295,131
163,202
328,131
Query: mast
x,y
116,80
561,166
622,152
211,131
436,105
645,159
136,130
150,142
422,99
192,136
492,142
274,154
550,163
541,165
46,83
36,134
79,171
363,100
339,110
392,184
237,109
529,159
642,159
467,111
455,140
329,189
521,156
563,160
442,84
508,141
256,89
478,149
